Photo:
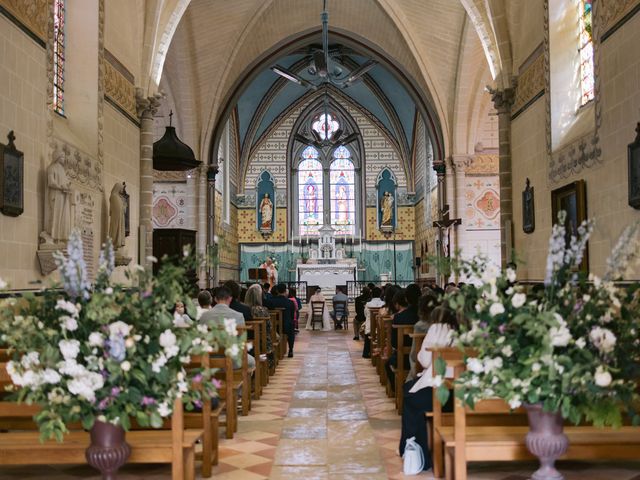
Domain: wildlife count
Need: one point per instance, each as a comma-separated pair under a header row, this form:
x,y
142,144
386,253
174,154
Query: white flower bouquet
x,y
106,352
572,347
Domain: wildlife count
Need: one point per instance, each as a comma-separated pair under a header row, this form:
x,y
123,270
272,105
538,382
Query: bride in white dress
x,y
326,318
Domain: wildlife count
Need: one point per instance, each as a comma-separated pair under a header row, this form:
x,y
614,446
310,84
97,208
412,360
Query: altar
x,y
328,276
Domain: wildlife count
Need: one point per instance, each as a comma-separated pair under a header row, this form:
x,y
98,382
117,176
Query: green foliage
x,y
109,352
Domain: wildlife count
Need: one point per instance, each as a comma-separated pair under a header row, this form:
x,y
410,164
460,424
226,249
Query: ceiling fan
x,y
323,66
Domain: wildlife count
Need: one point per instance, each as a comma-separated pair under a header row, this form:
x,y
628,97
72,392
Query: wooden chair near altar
x,y
317,311
341,314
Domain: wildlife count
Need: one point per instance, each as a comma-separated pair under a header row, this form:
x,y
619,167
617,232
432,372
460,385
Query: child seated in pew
x,y
428,301
418,393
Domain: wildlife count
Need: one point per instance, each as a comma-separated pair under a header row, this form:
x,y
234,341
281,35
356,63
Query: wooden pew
x,y
492,432
276,330
374,340
259,348
175,446
244,374
283,345
228,390
385,332
403,351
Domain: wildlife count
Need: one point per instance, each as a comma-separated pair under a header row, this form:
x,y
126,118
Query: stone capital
x,y
147,106
503,99
459,163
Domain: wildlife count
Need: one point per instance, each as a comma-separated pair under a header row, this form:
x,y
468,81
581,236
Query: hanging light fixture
x,y
171,154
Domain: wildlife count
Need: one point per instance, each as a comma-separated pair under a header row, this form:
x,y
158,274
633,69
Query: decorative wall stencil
x,y
168,176
33,14
169,205
247,232
11,178
531,82
119,85
613,11
405,228
81,167
482,203
483,165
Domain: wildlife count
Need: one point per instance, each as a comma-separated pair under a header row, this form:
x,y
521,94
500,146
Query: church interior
x,y
334,147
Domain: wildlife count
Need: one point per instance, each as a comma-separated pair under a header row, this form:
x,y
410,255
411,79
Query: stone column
x,y
146,107
212,171
459,164
503,100
201,220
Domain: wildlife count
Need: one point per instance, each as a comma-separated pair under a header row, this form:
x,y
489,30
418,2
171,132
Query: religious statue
x,y
386,208
60,202
116,215
528,211
266,212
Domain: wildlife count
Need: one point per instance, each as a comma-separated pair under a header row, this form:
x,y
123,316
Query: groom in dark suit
x,y
279,300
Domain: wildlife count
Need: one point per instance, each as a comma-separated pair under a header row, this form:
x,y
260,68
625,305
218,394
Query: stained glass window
x,y
342,187
587,80
310,198
326,126
58,55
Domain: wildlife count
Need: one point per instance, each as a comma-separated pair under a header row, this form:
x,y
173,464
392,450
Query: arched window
x,y
58,55
310,192
342,186
325,126
587,80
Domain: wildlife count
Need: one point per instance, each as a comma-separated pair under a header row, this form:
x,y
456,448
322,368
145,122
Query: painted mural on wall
x,y
169,205
266,205
482,203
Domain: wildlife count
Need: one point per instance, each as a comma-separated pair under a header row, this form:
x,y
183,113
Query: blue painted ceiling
x,y
394,95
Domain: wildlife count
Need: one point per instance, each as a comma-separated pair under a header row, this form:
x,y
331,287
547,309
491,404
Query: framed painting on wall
x,y
572,199
11,178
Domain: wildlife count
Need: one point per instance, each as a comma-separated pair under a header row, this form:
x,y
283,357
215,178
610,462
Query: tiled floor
x,y
324,415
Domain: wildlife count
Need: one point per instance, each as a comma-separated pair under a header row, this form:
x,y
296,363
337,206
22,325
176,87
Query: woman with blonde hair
x,y
253,299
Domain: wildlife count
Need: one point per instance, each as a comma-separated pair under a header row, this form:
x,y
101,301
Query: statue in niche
x,y
386,208
127,210
118,203
266,212
117,216
60,202
528,212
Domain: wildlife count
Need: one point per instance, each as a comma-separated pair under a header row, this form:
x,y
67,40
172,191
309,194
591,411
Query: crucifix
x,y
443,225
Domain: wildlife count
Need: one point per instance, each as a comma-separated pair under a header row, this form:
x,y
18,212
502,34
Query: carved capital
x,y
503,99
460,163
147,106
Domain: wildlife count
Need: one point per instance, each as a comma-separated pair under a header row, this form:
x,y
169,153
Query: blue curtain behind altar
x,y
374,259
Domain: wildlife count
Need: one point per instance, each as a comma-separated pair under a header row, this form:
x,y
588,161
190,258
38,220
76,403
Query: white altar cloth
x,y
327,276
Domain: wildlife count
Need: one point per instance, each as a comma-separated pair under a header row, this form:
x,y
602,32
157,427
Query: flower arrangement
x,y
106,352
571,347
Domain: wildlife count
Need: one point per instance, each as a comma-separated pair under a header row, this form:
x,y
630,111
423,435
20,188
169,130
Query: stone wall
x,y
23,109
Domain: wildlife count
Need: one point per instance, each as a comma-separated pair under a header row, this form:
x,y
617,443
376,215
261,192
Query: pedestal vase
x,y
108,450
546,441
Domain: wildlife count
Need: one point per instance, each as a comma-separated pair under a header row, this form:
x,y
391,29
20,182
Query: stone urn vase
x,y
546,441
108,450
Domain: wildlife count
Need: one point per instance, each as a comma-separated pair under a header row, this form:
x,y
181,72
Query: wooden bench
x,y
259,349
374,337
402,352
283,345
276,337
175,446
493,432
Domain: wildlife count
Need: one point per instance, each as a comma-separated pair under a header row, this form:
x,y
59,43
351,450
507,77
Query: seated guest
x,y
418,394
280,300
297,306
234,288
340,296
428,301
360,302
266,290
406,316
204,303
253,299
376,302
180,317
216,316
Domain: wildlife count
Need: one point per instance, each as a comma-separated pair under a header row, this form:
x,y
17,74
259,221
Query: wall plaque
x,y
11,178
634,170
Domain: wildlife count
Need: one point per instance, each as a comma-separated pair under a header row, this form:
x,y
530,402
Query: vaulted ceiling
x,y
219,57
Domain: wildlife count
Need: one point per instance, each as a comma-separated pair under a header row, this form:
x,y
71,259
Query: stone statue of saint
x,y
387,210
116,215
266,210
60,201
